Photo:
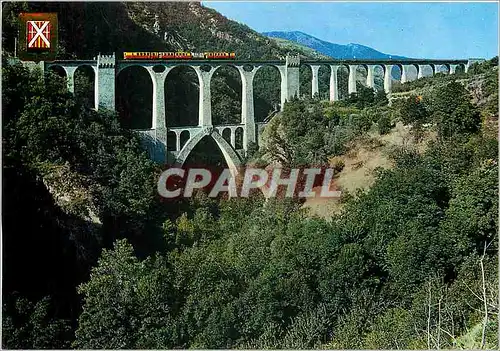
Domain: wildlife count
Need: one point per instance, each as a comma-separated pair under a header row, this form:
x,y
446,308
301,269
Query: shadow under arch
x,y
361,76
58,75
396,75
343,81
266,91
182,96
226,90
324,82
85,85
305,79
444,68
134,97
378,77
460,69
58,69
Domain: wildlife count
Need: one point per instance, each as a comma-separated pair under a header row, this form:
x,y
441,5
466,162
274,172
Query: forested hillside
x,y
94,258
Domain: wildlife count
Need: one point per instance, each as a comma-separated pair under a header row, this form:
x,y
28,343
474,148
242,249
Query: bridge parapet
x,y
293,61
106,61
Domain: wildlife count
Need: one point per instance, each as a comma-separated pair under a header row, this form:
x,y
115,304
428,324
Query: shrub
x,y
384,124
338,164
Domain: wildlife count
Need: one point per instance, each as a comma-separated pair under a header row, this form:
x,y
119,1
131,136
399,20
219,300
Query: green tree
x,y
28,325
127,303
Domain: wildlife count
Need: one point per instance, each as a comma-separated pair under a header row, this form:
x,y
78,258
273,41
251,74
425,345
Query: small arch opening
x,y
238,140
172,141
226,134
396,73
411,72
378,78
361,76
58,76
59,70
184,138
207,152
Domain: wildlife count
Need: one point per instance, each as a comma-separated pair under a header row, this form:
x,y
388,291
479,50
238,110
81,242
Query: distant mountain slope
x,y
331,49
294,47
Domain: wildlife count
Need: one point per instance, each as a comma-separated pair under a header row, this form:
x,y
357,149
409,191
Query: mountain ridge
x,y
339,51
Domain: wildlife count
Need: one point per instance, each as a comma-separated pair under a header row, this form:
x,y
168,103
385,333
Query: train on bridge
x,y
180,55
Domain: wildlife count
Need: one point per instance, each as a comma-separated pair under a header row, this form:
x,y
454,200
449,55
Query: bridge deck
x,y
280,62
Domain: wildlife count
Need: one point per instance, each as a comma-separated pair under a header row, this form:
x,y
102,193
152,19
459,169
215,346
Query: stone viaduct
x,y
107,68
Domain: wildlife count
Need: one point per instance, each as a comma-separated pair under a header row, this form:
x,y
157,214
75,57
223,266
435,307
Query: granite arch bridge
x,y
107,68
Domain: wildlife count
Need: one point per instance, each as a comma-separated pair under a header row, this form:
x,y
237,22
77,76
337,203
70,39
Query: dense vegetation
x,y
94,259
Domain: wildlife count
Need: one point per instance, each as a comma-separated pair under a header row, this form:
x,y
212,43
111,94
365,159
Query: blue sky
x,y
420,30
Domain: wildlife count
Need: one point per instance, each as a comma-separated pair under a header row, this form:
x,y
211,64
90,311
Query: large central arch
x,y
230,155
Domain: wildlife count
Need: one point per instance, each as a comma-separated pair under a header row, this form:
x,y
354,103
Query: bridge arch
x,y
324,82
182,96
85,84
411,72
443,68
396,75
267,90
171,141
226,89
378,77
425,70
184,137
238,138
134,97
362,71
305,80
343,81
460,69
226,134
230,155
58,69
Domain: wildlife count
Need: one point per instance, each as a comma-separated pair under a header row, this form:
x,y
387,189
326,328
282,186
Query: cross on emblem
x,y
38,34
